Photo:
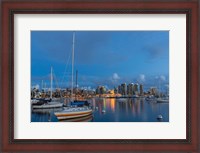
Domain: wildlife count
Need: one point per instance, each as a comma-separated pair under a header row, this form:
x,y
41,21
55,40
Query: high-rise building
x,y
153,91
141,90
98,90
119,89
136,89
130,89
116,90
123,89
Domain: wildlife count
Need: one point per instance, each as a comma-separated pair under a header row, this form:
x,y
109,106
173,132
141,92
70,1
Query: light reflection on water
x,y
113,110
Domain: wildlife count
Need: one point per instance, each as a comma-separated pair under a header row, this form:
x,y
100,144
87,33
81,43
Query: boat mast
x,y
76,79
51,82
42,85
76,85
73,63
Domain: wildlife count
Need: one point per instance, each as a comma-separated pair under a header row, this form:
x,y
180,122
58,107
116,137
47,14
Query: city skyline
x,y
104,58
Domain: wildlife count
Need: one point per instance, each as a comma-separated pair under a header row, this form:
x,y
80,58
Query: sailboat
x,y
73,112
47,103
162,99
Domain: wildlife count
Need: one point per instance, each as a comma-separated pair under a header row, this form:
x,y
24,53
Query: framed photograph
x,y
99,76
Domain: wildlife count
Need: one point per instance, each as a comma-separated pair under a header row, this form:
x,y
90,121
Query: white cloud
x,y
115,76
37,86
162,78
142,78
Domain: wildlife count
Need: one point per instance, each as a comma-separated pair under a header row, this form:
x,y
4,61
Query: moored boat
x,y
48,105
163,100
34,101
151,98
47,110
76,111
80,103
73,112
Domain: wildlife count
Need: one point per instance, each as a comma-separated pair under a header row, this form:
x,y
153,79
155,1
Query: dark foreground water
x,y
113,110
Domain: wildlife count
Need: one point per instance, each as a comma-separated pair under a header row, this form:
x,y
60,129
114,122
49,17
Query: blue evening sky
x,y
101,57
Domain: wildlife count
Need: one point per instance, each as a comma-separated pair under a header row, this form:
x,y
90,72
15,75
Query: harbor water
x,y
112,110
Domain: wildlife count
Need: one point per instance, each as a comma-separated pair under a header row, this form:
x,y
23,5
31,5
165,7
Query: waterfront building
x,y
84,92
98,90
57,93
130,89
111,92
119,89
101,90
91,92
123,89
136,89
141,90
153,91
116,90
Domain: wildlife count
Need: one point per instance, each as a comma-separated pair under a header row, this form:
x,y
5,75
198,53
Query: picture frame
x,y
10,7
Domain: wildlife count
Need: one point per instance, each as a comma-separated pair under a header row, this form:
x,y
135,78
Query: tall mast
x,y
76,79
76,85
51,82
42,86
73,63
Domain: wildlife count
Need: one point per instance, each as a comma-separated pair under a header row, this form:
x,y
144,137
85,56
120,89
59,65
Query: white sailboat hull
x,y
46,106
162,100
78,119
72,114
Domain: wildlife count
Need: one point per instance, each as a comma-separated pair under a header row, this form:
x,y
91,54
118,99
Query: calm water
x,y
116,110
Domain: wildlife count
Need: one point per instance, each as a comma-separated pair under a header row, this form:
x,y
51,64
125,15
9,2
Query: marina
x,y
111,110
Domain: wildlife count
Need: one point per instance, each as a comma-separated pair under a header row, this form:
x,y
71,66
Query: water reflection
x,y
112,104
113,110
129,110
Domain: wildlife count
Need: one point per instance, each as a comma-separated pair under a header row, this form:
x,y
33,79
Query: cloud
x,y
142,78
115,76
162,78
37,86
113,80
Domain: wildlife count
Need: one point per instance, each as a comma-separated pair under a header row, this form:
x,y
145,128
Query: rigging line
x,y
56,80
65,71
44,77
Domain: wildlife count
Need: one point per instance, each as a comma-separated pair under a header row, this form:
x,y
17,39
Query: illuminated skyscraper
x,y
116,90
119,89
141,90
130,89
124,89
136,89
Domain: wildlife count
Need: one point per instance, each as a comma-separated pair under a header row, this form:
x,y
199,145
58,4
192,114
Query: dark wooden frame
x,y
11,7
